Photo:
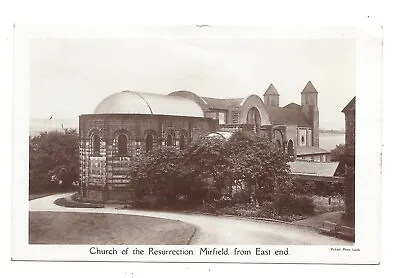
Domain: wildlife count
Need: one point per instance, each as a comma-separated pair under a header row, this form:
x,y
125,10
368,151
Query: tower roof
x,y
271,90
309,88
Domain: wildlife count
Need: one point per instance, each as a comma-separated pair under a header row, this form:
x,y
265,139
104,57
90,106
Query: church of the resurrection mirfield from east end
x,y
129,123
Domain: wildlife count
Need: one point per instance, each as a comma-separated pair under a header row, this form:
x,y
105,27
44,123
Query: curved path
x,y
213,229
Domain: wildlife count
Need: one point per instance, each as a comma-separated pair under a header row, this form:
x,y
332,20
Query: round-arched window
x,y
149,142
122,145
96,144
290,148
182,142
169,140
302,139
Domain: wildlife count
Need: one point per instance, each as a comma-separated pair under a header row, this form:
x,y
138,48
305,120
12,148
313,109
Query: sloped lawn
x,y
99,228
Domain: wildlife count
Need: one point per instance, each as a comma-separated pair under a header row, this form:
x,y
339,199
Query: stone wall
x,y
105,175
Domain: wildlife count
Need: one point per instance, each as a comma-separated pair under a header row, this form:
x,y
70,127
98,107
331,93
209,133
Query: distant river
x,y
329,141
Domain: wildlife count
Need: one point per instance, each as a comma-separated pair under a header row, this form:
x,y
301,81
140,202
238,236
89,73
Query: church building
x,y
130,123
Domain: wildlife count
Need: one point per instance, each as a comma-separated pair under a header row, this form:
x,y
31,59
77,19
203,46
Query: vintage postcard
x,y
197,144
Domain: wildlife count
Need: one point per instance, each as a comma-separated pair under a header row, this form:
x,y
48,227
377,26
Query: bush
x,y
72,204
53,161
294,204
148,202
242,196
224,201
304,187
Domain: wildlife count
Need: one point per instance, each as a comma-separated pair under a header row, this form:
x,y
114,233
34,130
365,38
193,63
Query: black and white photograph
x,y
196,143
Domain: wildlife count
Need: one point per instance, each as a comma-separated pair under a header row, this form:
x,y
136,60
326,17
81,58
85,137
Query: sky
x,y
69,77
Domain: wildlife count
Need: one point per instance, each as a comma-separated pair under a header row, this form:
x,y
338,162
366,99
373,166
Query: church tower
x,y
309,106
271,97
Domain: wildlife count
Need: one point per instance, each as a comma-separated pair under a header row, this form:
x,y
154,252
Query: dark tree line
x,y
53,161
209,167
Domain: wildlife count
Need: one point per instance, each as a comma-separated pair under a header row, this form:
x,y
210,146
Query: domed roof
x,y
129,102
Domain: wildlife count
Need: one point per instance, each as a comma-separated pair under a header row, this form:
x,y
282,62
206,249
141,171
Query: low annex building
x,y
129,123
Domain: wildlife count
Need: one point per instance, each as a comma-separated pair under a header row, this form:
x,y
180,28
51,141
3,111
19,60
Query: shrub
x,y
294,204
304,187
224,201
242,196
72,204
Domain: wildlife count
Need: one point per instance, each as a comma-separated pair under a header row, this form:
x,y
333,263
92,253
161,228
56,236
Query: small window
x,y
149,142
290,148
182,142
235,117
302,139
169,140
221,118
122,145
96,144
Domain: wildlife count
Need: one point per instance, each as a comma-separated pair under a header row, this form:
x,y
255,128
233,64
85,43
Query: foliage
x,y
63,202
207,158
322,204
242,196
304,187
209,167
338,153
294,204
256,161
160,173
53,160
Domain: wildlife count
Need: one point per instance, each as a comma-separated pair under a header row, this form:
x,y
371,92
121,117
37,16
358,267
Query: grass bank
x,y
102,228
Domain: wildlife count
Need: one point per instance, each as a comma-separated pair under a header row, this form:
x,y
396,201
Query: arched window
x,y
149,142
169,140
96,144
254,118
302,139
122,145
290,148
182,142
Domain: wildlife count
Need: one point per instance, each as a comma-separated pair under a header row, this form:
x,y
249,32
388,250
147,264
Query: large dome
x,y
129,102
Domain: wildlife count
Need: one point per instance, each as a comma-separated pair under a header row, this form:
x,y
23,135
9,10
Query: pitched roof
x,y
309,88
271,90
284,115
322,169
217,103
310,150
350,105
293,105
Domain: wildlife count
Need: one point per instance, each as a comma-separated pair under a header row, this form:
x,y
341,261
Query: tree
x,y
338,153
53,160
207,157
160,173
256,161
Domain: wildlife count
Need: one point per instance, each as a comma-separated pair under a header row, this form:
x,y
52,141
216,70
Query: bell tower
x,y
271,97
309,106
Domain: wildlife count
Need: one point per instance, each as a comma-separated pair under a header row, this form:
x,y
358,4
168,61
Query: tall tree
x,y
53,160
207,158
256,161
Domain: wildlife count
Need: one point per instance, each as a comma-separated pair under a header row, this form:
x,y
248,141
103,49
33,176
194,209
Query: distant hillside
x,y
40,125
332,131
